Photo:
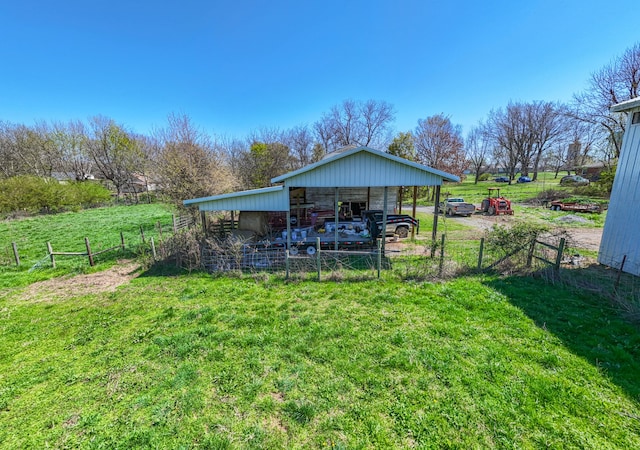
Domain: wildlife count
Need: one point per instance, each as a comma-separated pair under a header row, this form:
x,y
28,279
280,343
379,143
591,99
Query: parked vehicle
x,y
354,234
501,180
397,224
456,206
524,179
559,205
495,204
573,180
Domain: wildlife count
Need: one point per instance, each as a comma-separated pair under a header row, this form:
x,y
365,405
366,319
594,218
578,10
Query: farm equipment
x,y
495,204
559,205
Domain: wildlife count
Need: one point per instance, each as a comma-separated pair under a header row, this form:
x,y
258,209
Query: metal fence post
x,y
318,261
379,255
286,263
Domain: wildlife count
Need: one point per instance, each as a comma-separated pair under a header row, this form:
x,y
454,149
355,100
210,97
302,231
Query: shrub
x,y
484,177
508,240
34,194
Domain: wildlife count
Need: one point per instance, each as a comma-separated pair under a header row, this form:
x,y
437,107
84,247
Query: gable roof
x,y
364,166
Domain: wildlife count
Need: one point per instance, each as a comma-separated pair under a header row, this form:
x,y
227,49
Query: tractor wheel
x,y
485,205
311,250
491,211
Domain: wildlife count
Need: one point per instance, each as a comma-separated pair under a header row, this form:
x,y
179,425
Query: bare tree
x,y
614,83
355,123
439,144
300,142
478,150
113,151
71,143
522,132
188,164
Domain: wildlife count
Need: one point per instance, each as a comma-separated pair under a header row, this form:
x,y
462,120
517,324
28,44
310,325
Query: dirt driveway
x,y
581,237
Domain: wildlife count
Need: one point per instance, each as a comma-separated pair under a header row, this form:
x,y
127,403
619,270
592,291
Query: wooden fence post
x,y
142,234
86,242
153,248
51,255
480,254
560,252
175,226
15,253
532,249
122,240
318,261
160,231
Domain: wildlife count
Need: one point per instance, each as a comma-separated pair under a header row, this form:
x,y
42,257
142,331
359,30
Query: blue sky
x,y
237,66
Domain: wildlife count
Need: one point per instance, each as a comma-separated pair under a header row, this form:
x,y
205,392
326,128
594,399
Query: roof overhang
x,y
626,105
274,198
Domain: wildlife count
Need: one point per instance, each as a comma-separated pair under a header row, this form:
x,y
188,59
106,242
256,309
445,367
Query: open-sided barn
x,y
344,184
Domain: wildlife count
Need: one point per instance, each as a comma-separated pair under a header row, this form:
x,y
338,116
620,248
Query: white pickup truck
x,y
456,206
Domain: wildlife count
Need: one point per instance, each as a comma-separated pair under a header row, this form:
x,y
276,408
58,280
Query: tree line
x,y
186,162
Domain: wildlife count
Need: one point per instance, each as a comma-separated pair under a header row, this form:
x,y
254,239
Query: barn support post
x,y
401,198
336,207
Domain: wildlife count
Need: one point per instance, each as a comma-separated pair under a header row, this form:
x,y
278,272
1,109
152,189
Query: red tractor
x,y
494,205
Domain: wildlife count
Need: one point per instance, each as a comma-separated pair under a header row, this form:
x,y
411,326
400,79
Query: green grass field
x,y
66,232
192,361
172,360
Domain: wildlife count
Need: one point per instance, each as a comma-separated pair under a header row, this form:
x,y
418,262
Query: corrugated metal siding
x,y
621,234
364,169
263,201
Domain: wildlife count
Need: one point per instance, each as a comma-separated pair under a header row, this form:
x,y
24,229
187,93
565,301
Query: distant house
x,y
591,171
620,246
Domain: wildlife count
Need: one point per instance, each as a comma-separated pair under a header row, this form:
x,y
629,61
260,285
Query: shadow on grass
x,y
590,326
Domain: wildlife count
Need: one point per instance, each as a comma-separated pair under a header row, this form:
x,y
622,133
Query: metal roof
x,y
275,198
626,105
364,166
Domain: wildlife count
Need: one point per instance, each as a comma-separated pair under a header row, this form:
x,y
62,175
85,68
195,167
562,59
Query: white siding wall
x,y
621,234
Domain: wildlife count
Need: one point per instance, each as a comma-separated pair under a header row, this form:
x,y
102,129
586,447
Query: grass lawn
x,y
191,361
66,232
